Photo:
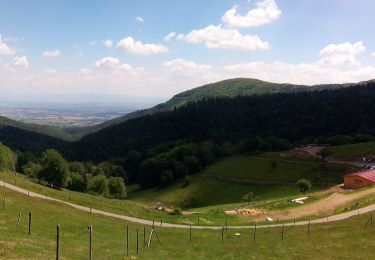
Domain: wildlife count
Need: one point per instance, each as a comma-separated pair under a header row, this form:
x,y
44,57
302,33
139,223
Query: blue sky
x,y
120,47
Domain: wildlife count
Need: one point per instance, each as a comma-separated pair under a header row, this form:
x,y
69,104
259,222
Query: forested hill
x,y
296,117
226,88
40,129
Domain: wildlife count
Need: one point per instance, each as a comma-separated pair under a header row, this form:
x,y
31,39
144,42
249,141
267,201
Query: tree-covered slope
x,y
45,130
295,117
226,88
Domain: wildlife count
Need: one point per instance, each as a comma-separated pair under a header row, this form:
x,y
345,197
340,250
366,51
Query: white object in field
x,y
364,159
237,234
300,200
269,219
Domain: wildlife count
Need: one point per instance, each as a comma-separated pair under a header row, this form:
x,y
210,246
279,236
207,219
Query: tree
x,y
149,174
54,169
76,182
303,185
248,197
166,177
99,185
273,164
116,187
31,169
77,167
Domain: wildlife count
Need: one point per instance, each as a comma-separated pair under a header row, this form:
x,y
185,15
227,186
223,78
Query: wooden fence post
x,y
161,222
226,223
255,232
371,220
308,229
90,242
4,200
282,232
57,242
127,240
222,234
144,237
19,219
137,240
294,222
30,223
190,235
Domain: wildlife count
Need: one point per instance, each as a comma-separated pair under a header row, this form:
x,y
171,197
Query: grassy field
x,y
206,195
345,239
261,169
352,151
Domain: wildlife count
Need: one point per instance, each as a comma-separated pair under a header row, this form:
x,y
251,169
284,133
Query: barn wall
x,y
355,182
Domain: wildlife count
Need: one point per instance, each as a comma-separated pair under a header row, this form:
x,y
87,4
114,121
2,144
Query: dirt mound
x,y
250,212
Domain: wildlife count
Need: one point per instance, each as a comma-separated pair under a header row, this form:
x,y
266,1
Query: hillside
x,y
40,129
108,240
295,117
226,88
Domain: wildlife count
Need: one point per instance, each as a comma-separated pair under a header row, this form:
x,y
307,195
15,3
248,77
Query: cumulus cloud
x,y
215,37
112,64
51,54
169,36
20,62
137,47
5,49
140,19
265,12
108,43
184,68
299,73
341,54
373,54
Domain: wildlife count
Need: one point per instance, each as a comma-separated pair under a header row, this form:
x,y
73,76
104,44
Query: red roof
x,y
365,174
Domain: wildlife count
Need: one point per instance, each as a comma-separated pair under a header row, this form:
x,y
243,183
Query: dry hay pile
x,y
249,212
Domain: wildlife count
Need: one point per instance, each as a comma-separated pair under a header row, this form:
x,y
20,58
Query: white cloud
x,y
341,54
108,43
140,19
373,54
51,54
303,73
217,37
137,47
185,69
169,36
111,64
20,62
265,12
5,49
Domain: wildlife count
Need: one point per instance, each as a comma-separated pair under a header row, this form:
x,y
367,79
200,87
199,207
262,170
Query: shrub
x,y
7,158
116,187
99,185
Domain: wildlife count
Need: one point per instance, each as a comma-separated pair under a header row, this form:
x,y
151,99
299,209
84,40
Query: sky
x,y
158,48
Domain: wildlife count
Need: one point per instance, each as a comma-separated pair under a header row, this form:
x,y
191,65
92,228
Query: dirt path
x,y
180,226
325,206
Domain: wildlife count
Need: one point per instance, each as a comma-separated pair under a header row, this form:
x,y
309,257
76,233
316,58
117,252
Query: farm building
x,y
359,179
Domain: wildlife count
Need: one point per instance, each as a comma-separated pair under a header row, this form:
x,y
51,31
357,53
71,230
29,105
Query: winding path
x,y
337,217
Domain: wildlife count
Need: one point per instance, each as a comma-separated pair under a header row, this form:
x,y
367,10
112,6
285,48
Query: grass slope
x,y
345,239
352,151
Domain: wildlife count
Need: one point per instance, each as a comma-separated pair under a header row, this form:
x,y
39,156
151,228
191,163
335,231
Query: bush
x,y
31,169
99,185
177,211
303,185
116,187
185,182
54,169
76,182
166,177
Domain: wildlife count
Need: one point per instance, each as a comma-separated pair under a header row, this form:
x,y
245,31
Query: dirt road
x,y
170,225
325,206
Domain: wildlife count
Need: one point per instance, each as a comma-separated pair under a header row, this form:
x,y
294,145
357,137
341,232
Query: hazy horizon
x,y
157,49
